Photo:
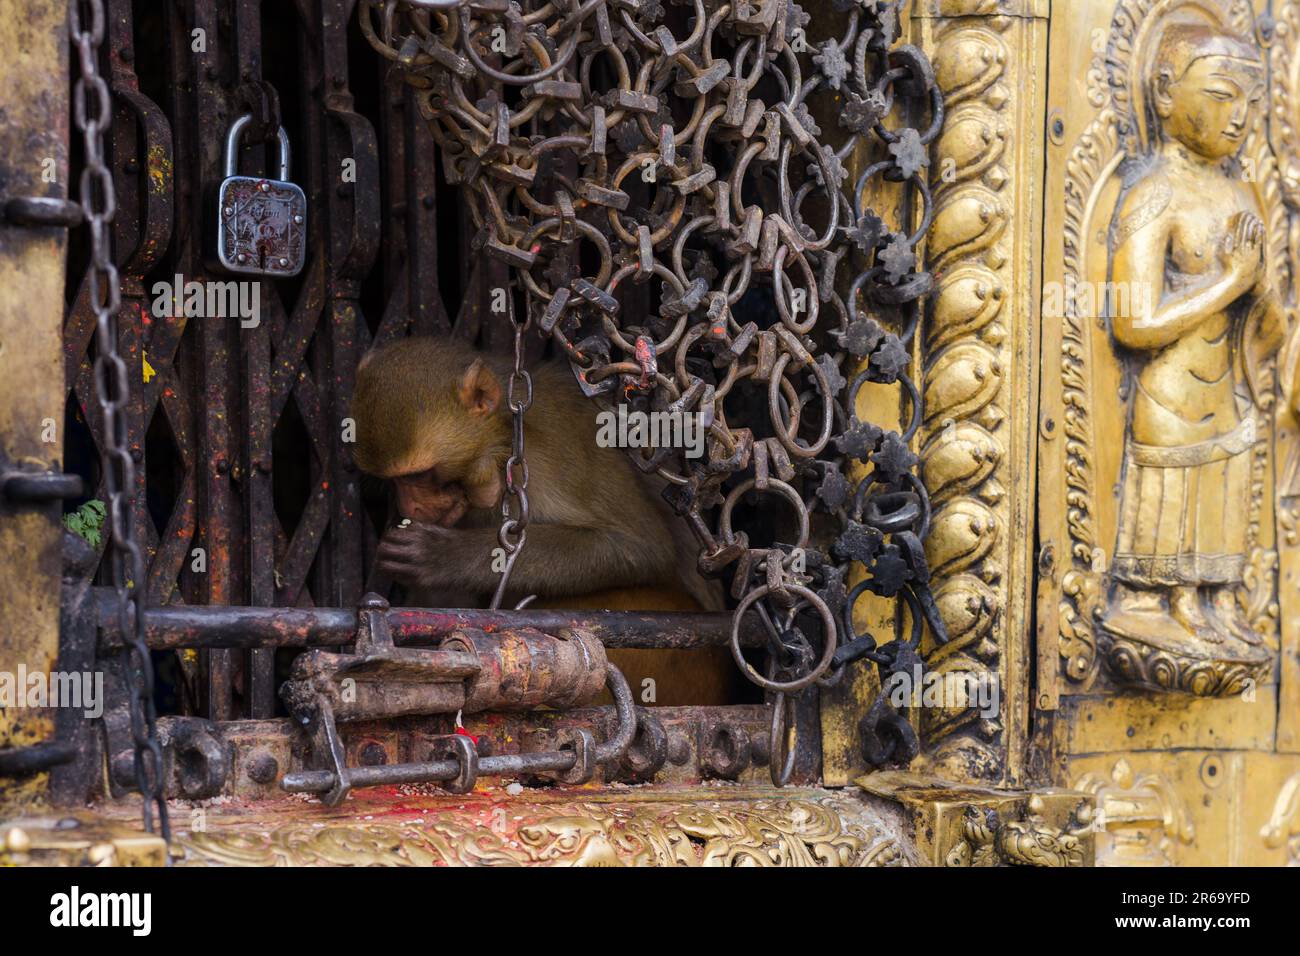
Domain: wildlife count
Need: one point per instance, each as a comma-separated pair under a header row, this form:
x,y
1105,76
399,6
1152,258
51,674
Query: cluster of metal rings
x,y
667,185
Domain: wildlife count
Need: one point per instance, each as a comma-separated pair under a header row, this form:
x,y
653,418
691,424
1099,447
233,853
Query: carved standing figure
x,y
1188,234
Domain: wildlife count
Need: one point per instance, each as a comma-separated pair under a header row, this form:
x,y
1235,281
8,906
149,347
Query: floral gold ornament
x,y
695,827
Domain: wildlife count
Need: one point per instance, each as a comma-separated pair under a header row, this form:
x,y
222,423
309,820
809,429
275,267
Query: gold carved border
x,y
698,826
980,379
1284,134
956,825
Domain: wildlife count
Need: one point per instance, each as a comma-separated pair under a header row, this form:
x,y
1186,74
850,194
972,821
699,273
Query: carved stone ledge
x,y
956,825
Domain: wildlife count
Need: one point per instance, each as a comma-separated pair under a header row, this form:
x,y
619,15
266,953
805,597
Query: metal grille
x,y
245,495
234,431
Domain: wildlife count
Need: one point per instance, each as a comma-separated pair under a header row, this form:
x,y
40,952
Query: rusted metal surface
x,y
515,669
249,759
114,400
212,395
170,628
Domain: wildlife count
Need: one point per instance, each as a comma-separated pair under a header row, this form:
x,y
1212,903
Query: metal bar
x,y
313,390
132,326
250,627
256,346
505,765
352,217
39,487
36,758
202,113
41,211
426,310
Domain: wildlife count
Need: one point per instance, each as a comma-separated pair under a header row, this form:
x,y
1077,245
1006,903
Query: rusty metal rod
x,y
167,628
435,771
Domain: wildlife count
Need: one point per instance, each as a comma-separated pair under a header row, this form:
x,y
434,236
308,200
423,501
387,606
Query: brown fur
x,y
599,534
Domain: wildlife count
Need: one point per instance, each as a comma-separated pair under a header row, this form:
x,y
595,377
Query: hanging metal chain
x,y
514,503
93,114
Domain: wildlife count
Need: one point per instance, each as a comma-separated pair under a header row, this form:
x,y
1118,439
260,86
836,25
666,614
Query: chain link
x,y
514,503
92,113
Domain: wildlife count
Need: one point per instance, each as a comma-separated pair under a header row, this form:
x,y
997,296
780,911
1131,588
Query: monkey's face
x,y
443,494
424,498
428,417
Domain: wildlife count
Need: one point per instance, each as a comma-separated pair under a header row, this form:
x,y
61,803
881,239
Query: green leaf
x,y
88,522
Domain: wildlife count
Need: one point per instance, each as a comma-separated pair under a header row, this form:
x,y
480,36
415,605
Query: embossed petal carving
x,y
963,380
974,139
959,459
970,223
966,605
970,342
969,299
962,534
968,64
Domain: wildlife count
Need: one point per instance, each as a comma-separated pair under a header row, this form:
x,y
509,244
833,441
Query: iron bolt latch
x,y
41,211
39,487
470,671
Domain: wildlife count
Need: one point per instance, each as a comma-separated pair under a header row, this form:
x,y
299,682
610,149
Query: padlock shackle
x,y
232,147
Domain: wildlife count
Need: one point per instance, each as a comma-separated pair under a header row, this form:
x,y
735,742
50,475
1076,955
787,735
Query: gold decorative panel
x,y
706,826
1168,610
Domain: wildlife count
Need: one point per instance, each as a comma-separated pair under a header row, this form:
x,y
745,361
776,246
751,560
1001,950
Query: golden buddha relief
x,y
1188,228
1172,325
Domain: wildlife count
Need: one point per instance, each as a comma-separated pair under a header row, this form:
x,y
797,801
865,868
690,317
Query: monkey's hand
x,y
430,556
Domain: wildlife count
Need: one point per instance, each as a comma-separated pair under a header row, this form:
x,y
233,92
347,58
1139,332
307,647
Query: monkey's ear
x,y
480,392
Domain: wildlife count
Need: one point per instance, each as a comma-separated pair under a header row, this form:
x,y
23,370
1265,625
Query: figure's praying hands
x,y
1242,251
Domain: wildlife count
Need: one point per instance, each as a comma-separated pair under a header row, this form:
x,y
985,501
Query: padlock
x,y
261,223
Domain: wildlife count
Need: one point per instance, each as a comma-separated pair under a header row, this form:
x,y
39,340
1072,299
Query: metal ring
x,y
828,634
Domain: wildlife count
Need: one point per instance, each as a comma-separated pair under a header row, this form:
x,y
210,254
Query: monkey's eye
x,y
427,477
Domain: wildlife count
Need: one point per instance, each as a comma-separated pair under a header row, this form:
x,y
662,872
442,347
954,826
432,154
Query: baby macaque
x,y
432,417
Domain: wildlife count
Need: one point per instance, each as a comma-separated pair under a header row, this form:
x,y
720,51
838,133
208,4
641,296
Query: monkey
x,y
431,417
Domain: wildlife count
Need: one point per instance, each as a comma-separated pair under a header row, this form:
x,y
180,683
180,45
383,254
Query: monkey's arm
x,y
557,560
